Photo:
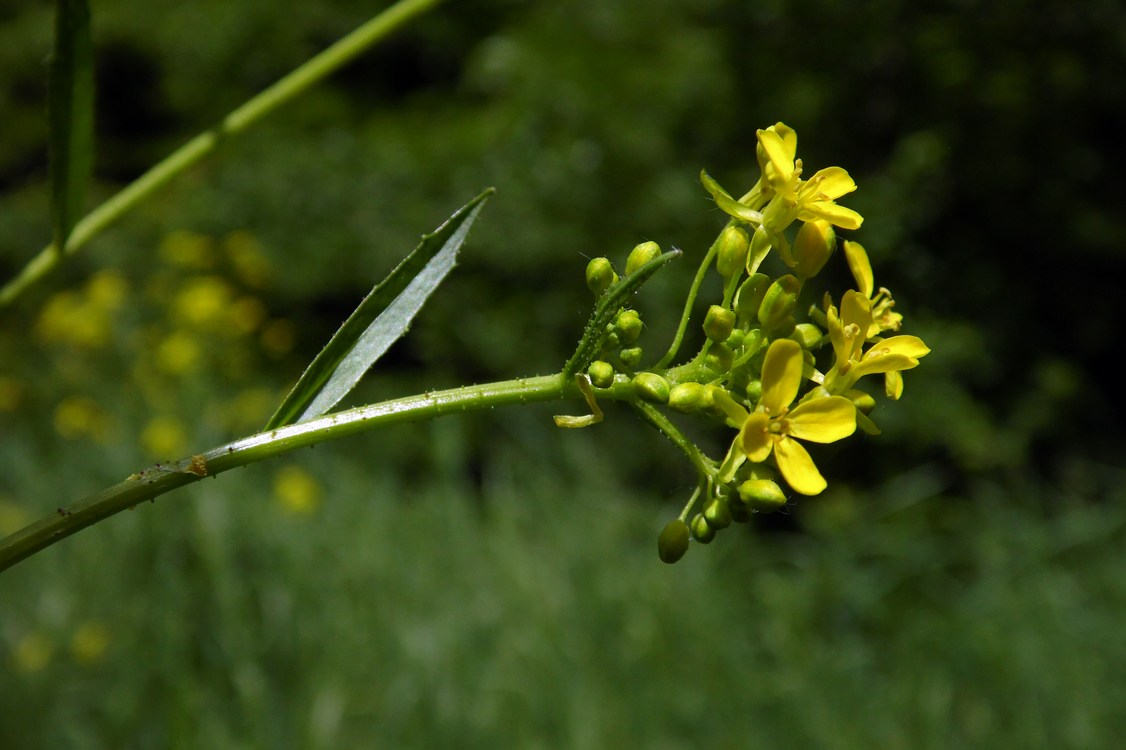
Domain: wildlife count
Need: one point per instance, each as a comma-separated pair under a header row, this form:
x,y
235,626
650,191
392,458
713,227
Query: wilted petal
x,y
781,375
798,468
755,437
822,420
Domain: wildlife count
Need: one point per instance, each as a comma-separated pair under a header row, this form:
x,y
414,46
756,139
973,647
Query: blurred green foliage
x,y
489,580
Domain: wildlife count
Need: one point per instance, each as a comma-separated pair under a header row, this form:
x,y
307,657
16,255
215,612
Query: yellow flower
x,y
848,332
795,198
775,427
883,318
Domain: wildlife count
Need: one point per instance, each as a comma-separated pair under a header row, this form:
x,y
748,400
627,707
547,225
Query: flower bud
x,y
779,302
701,532
807,335
629,325
601,374
685,397
748,299
813,246
731,255
736,339
754,391
762,495
673,541
718,323
719,358
717,514
631,356
651,387
863,402
600,275
641,255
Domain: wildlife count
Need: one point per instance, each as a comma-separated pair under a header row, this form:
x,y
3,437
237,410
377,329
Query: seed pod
x,y
718,323
731,255
762,495
600,275
673,541
641,255
651,387
601,373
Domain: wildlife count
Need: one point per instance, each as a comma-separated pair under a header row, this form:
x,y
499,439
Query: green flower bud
x,y
629,325
651,387
600,275
739,512
612,341
717,514
701,532
815,243
718,323
754,391
673,541
685,397
863,402
748,299
736,339
630,357
779,302
641,255
807,335
731,255
601,373
762,495
719,358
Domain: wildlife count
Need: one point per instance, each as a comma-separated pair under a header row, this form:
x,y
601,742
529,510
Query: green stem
x,y
191,153
701,273
154,481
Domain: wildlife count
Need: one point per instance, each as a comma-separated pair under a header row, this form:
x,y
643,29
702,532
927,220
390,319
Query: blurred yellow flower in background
x,y
296,491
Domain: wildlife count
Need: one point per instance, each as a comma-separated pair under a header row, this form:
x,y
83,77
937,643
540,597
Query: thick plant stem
x,y
191,153
154,481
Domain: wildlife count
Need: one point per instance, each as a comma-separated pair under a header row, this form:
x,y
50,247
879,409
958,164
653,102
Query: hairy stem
x,y
191,153
154,481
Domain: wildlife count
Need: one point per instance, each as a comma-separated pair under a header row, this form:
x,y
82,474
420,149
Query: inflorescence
x,y
757,372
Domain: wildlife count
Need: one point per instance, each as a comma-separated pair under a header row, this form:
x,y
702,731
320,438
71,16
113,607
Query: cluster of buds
x,y
758,370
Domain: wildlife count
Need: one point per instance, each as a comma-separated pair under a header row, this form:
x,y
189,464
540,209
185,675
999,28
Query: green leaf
x,y
381,319
70,114
608,306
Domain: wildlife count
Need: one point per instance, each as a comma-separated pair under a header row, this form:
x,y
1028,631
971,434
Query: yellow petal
x,y
839,216
827,185
789,138
883,363
822,420
842,346
776,151
797,467
893,384
781,375
755,438
856,319
860,266
908,346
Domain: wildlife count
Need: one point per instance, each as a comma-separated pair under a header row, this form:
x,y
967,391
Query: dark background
x,y
490,579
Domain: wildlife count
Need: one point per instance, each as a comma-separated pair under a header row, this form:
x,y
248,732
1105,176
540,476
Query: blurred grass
x,y
534,614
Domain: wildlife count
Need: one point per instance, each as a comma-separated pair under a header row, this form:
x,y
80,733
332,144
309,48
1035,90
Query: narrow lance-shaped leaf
x,y
70,114
381,319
